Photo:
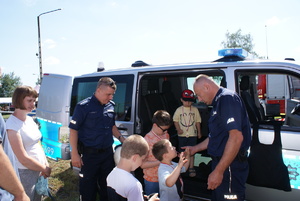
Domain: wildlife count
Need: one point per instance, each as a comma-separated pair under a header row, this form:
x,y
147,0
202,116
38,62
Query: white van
x,y
143,89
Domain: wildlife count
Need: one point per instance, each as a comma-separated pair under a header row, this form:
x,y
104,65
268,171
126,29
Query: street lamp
x,y
39,38
267,42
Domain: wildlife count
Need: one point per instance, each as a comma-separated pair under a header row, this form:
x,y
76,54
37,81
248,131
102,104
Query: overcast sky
x,y
119,32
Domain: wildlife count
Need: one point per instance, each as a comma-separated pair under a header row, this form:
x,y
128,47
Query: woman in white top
x,y
24,137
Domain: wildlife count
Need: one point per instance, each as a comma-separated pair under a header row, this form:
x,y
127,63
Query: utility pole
x,y
39,40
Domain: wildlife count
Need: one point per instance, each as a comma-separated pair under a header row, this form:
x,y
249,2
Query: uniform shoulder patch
x,y
112,102
85,101
230,120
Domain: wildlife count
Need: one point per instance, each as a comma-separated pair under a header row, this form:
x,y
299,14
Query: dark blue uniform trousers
x,y
95,169
239,174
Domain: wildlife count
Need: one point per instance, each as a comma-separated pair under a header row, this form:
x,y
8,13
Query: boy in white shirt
x,y
170,182
121,184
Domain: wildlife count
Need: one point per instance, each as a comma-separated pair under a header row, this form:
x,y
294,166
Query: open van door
x,y
53,113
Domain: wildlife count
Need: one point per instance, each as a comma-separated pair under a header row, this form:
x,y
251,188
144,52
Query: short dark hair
x,y
107,81
134,144
162,118
20,93
159,149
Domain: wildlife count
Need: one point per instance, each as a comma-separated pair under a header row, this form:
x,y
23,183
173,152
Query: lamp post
x,y
39,39
267,42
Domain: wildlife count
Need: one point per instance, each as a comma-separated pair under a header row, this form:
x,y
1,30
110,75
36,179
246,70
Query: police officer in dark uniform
x,y
228,140
91,137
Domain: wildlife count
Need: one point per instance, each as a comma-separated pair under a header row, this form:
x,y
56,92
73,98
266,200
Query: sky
x,y
117,33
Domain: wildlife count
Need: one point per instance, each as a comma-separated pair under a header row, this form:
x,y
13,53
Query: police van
x,y
142,89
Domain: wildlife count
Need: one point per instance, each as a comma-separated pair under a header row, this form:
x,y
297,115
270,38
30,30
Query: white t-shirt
x,y
125,184
30,135
169,193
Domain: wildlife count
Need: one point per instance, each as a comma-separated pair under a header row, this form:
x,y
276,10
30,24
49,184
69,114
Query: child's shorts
x,y
186,141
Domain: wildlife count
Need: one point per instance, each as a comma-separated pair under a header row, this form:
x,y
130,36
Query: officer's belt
x,y
242,156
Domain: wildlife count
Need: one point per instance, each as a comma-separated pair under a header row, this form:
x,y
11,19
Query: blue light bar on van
x,y
240,52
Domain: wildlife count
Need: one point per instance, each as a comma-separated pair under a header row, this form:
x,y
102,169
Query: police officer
x,y
228,140
91,130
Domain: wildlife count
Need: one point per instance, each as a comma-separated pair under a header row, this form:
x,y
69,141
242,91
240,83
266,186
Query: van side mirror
x,y
296,110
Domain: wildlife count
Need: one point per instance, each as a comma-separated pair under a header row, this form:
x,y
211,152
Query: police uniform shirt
x,y
94,122
228,113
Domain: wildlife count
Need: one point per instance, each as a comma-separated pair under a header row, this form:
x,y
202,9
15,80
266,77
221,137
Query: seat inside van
x,y
161,92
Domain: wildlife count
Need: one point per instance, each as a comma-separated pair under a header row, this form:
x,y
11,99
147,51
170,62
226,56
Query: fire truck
x,y
273,91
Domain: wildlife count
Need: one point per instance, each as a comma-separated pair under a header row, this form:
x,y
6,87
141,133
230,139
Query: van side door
x,y
274,92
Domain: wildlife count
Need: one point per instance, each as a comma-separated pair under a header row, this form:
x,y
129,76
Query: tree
x,y
38,81
238,40
9,82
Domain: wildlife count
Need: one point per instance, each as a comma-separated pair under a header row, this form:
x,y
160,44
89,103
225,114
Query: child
x,y
170,182
161,122
121,184
187,121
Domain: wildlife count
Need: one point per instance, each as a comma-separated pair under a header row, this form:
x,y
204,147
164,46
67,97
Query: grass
x,y
63,183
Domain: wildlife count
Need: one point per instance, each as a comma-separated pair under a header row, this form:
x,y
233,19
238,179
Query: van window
x,y
218,79
274,94
84,87
294,87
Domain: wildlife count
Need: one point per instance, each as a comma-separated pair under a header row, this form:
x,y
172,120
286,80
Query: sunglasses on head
x,y
111,83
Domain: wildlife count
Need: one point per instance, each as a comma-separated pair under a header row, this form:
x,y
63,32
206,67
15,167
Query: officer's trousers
x,y
95,169
239,174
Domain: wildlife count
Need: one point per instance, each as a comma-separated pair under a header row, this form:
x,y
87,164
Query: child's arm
x,y
198,126
187,154
152,197
176,124
150,164
172,178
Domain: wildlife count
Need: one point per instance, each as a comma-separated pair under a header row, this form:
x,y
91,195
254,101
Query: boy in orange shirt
x,y
161,122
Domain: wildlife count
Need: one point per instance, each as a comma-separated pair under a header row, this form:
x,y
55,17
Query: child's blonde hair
x,y
134,144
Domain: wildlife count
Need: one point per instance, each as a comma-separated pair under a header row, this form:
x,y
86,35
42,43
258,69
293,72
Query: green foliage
x,y
238,40
38,81
9,82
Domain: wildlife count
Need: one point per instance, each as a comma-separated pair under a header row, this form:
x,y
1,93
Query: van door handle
x,y
122,128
